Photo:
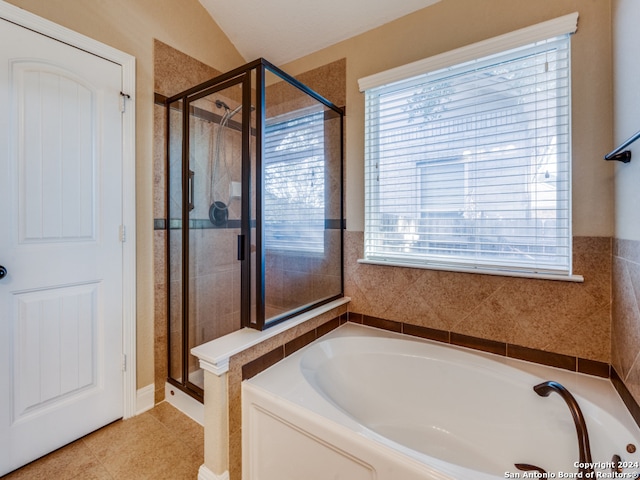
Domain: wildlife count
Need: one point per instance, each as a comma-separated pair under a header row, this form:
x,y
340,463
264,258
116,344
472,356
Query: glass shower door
x,y
215,158
209,302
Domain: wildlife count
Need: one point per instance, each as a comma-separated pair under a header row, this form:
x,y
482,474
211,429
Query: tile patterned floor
x,y
159,444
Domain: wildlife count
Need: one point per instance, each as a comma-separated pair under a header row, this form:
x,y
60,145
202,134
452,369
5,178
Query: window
x,y
468,164
294,171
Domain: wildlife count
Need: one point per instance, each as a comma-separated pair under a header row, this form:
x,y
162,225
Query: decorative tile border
x,y
272,357
566,362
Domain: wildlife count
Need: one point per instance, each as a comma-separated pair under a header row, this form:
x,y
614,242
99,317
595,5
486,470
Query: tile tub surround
x,y
583,326
566,318
625,315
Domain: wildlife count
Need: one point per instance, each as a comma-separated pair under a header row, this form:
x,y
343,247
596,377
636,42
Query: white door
x,y
60,214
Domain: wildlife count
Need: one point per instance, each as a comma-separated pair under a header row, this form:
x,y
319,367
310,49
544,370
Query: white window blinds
x,y
469,165
294,171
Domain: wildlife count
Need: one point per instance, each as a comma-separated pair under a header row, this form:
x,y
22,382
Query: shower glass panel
x,y
255,206
302,201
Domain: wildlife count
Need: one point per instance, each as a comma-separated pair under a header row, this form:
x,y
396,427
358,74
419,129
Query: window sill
x,y
483,271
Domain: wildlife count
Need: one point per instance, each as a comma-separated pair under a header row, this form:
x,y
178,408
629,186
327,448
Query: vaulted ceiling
x,y
284,30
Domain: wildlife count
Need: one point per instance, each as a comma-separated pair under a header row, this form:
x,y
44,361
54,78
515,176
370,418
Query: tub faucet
x,y
586,464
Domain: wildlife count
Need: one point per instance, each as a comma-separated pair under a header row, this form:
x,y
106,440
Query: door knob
x,y
3,272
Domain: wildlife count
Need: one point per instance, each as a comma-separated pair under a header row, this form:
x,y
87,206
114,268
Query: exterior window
x,y
468,166
294,171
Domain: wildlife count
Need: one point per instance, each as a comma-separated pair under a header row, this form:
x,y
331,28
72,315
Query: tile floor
x,y
159,444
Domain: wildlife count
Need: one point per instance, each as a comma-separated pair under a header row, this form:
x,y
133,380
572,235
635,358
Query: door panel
x,y
55,330
61,195
57,186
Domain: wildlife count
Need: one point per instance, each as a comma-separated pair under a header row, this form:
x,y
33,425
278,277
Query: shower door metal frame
x,y
262,66
241,75
188,97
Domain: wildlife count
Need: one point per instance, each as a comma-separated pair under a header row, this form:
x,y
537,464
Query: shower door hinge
x,y
123,98
123,233
124,363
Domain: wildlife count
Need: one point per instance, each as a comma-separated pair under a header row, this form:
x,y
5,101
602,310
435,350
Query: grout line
x,y
491,295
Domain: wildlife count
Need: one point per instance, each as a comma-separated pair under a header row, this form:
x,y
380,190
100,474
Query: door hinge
x,y
123,98
124,363
123,233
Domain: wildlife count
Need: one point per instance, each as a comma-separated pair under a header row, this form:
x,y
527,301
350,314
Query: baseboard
x,y
185,403
145,399
205,474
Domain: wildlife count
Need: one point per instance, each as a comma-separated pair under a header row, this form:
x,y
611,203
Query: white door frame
x,y
127,62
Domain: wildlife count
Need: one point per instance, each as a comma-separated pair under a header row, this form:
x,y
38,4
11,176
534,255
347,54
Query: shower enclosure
x,y
255,208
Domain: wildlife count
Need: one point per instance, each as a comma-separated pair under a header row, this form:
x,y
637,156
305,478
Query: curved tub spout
x,y
525,467
544,390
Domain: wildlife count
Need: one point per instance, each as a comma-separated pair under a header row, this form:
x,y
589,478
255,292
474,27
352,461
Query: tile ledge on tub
x,y
214,355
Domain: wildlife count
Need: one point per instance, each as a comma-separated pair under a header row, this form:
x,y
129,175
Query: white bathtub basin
x,y
441,411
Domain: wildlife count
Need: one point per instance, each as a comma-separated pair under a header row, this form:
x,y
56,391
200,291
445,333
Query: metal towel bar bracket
x,y
620,154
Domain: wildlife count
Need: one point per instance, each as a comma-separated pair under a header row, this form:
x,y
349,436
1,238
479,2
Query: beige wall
x,y
455,23
131,26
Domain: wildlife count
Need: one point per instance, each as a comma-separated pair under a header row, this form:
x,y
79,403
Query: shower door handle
x,y
241,247
190,188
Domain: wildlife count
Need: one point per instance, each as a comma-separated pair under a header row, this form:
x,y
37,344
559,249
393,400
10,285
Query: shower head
x,y
228,112
221,104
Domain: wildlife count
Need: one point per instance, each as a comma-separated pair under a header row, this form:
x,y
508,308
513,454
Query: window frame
x,y
541,32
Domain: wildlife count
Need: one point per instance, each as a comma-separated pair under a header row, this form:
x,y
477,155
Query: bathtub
x,y
362,403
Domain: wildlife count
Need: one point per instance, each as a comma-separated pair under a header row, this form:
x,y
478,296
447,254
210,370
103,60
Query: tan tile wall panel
x,y
160,319
560,317
625,325
329,81
175,72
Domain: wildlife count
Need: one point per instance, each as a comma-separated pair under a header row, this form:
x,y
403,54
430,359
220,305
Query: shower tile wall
x,y
560,317
625,327
173,72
